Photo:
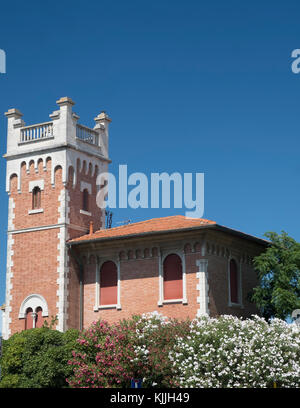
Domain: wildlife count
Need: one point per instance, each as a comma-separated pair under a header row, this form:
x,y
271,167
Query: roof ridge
x,y
151,220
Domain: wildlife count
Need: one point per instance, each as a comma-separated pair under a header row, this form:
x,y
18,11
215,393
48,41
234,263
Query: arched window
x,y
172,277
233,282
33,310
36,198
108,284
38,317
28,319
85,200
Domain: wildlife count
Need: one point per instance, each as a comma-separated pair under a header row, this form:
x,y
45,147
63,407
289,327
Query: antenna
x,y
108,215
124,222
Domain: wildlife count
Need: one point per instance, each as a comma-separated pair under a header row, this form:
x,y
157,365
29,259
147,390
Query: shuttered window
x,y
233,282
172,277
108,284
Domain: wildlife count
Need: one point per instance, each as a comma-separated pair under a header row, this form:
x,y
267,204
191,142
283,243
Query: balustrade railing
x,y
45,131
37,132
87,135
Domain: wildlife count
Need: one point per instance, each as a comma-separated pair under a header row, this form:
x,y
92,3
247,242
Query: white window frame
x,y
36,183
162,257
98,305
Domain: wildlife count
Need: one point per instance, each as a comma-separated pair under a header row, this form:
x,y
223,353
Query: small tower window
x,y
85,200
36,198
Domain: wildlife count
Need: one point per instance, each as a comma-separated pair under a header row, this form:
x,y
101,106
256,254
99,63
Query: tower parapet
x,y
34,142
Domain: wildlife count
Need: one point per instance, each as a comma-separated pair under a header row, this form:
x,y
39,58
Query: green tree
x,y
37,358
278,268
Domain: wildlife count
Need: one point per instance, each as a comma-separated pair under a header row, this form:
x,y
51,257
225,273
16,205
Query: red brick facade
x,y
140,260
140,263
55,252
35,250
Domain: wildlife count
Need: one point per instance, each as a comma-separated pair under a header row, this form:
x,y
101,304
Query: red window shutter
x,y
233,282
39,318
108,284
28,319
172,277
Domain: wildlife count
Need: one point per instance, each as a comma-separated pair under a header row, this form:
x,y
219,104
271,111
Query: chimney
x,y
91,228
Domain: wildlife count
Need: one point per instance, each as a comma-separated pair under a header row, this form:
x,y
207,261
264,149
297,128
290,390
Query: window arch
x,y
85,200
36,198
33,309
234,281
108,284
172,277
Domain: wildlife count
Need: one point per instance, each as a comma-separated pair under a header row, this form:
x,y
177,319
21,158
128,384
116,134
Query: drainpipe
x,y
80,297
80,266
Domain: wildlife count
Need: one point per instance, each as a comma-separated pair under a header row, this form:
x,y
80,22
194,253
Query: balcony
x,y
44,131
87,135
38,132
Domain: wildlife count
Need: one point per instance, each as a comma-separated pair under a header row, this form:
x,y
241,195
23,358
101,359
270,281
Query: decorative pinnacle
x,y
65,101
13,113
102,116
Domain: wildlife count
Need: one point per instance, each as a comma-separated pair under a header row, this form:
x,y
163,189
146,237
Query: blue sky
x,y
190,86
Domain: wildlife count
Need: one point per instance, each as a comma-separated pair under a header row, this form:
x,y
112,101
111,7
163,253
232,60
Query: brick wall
x,y
35,253
140,285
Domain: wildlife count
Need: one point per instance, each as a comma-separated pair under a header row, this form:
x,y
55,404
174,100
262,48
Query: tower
x,y
52,169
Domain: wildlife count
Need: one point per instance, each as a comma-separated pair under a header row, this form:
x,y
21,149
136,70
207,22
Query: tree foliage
x,y
37,358
278,268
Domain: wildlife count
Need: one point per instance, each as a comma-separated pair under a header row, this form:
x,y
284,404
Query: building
x,y
61,261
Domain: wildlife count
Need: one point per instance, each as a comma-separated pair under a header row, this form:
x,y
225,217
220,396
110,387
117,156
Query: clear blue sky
x,y
191,87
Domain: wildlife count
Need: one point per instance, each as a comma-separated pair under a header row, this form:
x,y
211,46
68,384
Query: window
x,y
36,198
233,282
38,317
33,319
28,319
33,310
85,200
172,269
108,284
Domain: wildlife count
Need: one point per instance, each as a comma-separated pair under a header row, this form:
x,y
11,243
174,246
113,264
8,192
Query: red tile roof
x,y
153,225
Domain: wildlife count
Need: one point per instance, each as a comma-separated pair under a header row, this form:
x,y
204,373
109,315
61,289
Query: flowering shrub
x,y
205,352
110,355
236,353
103,356
155,338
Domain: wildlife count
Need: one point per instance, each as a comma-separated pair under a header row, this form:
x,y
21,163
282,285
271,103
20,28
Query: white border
x,y
162,256
202,287
98,305
33,301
